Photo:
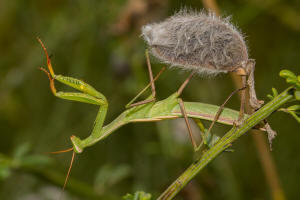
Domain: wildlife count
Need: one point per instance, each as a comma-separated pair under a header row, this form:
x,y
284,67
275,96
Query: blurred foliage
x,y
99,42
137,196
294,80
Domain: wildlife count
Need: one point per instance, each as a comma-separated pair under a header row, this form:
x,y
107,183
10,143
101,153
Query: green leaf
x,y
270,97
139,195
5,166
297,95
275,92
294,111
290,77
22,150
294,108
35,160
295,115
211,139
287,74
4,172
291,80
109,175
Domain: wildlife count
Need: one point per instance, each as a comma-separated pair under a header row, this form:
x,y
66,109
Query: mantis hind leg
x,y
183,111
181,105
219,112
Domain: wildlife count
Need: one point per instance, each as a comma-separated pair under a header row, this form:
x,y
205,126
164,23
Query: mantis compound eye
x,y
197,41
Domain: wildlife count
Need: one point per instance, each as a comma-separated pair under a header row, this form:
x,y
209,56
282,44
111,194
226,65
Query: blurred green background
x,y
99,42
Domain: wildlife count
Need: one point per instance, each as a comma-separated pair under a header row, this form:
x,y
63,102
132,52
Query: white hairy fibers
x,y
197,41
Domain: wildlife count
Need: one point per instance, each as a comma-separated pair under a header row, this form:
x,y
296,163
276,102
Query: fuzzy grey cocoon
x,y
197,41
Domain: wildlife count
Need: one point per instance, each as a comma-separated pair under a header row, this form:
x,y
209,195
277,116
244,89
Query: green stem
x,y
224,143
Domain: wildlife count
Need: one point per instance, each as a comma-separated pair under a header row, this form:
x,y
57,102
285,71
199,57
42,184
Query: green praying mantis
x,y
146,111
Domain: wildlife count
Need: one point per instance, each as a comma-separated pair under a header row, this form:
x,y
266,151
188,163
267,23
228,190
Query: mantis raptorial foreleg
x,y
87,94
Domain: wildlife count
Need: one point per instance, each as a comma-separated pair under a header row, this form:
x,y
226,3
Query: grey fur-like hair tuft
x,y
198,41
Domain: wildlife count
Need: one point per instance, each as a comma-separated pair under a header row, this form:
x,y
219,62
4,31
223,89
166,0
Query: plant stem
x,y
224,143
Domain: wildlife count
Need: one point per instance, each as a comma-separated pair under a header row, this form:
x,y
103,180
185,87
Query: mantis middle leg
x,y
152,80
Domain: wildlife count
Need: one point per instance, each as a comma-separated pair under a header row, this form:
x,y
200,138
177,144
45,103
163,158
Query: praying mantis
x,y
148,112
151,111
